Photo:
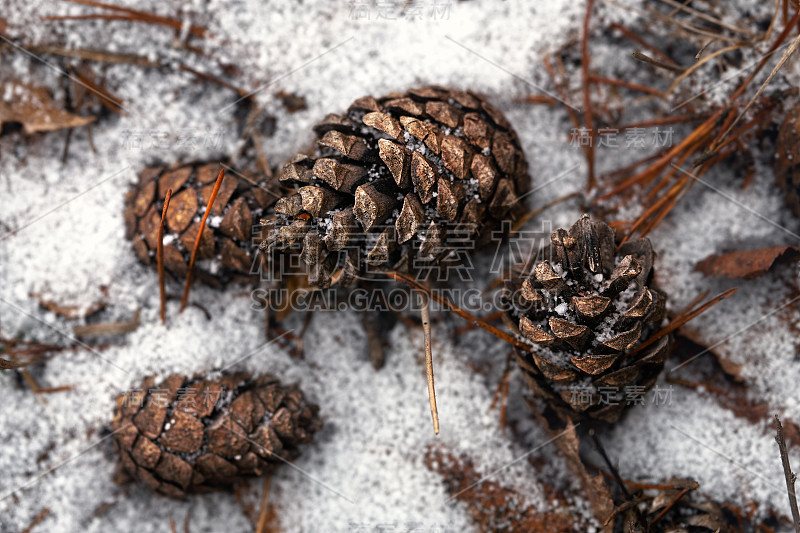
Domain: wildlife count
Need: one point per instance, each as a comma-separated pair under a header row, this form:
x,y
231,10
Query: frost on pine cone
x,y
197,435
584,308
225,252
410,177
787,159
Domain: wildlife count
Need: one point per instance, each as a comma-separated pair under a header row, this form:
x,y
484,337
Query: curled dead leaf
x,y
747,264
33,107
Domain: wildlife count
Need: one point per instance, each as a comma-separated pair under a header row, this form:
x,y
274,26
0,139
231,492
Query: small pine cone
x,y
197,435
226,248
787,159
584,309
409,177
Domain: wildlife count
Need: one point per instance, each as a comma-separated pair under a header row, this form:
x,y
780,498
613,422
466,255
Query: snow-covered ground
x,y
365,471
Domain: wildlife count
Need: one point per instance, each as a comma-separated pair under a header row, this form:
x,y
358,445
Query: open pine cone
x,y
414,176
226,247
197,435
787,159
586,309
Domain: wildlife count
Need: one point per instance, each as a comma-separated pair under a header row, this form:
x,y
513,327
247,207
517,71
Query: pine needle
x,y
472,319
190,272
162,291
426,329
683,319
132,15
784,58
697,65
263,515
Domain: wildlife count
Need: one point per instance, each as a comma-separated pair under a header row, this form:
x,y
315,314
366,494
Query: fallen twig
x,y
790,476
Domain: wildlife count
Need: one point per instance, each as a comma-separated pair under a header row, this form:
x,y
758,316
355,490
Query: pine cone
x,y
197,435
414,176
787,159
225,252
584,308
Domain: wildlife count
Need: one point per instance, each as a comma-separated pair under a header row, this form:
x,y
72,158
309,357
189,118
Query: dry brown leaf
x,y
724,383
566,438
292,102
34,108
494,507
746,264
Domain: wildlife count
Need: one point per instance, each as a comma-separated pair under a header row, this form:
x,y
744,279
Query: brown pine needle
x,y
624,83
32,383
133,15
686,73
675,500
190,272
162,291
263,515
655,62
644,44
784,58
106,98
497,315
662,121
696,136
426,329
778,41
705,16
36,520
60,388
683,319
623,171
539,99
472,319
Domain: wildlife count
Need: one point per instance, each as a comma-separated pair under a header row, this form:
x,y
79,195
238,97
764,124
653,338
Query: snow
x,y
62,236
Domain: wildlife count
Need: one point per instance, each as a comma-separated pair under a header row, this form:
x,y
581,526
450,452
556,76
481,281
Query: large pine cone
x,y
414,176
226,247
584,308
787,159
197,435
